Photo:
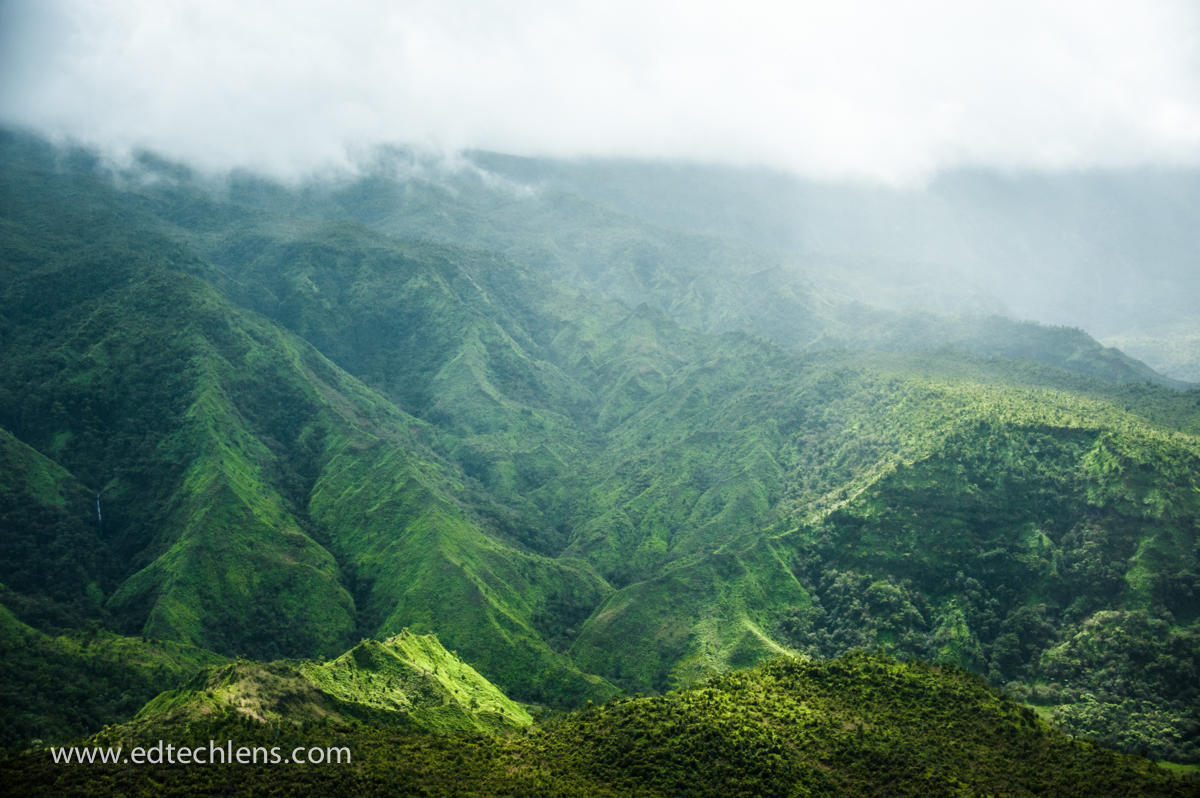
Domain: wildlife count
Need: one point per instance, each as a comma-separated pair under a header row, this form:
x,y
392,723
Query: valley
x,y
501,422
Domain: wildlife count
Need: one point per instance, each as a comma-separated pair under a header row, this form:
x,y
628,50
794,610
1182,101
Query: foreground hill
x,y
857,725
407,680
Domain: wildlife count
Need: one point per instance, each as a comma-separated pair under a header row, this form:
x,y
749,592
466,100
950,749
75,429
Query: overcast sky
x,y
877,90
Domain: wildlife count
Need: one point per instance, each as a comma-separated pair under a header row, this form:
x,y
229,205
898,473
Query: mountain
x,y
229,452
589,451
1109,251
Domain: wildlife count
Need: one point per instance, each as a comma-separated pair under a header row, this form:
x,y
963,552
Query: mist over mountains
x,y
865,91
633,398
1108,251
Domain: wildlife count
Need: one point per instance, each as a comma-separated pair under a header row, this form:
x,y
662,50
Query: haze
x,y
877,91
1036,159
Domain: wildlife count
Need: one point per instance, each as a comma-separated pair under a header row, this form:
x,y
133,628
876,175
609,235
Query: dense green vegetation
x,y
1006,556
407,680
253,489
858,725
270,421
61,688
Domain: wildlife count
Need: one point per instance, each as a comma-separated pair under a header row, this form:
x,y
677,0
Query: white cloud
x,y
863,89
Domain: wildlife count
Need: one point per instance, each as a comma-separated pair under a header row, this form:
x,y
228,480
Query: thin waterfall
x,y
99,515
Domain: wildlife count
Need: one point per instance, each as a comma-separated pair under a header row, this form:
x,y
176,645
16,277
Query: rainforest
x,y
513,488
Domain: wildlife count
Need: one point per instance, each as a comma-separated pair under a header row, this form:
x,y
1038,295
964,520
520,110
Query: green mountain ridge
x,y
406,680
252,459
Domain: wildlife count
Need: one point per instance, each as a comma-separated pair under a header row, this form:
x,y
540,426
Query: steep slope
x,y
811,265
54,562
437,688
587,247
456,337
226,447
141,388
418,560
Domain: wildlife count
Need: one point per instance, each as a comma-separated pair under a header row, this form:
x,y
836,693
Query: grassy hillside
x,y
255,493
407,680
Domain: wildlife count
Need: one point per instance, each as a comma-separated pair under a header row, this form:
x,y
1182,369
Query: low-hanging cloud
x,y
877,90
